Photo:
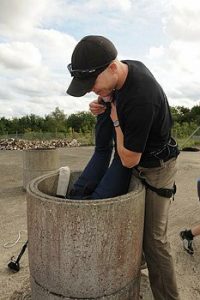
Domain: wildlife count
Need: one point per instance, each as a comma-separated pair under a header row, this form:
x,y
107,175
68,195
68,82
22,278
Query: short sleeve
x,y
137,126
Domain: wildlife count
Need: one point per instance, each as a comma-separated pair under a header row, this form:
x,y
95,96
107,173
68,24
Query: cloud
x,y
37,39
177,64
183,21
88,9
55,47
19,17
121,5
156,52
36,71
18,55
41,106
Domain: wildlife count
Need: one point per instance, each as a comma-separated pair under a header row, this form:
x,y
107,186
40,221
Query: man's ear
x,y
113,67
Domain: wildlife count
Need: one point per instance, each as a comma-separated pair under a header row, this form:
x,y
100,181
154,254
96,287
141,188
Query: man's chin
x,y
107,98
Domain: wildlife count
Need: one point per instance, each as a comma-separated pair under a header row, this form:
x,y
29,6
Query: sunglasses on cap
x,y
78,73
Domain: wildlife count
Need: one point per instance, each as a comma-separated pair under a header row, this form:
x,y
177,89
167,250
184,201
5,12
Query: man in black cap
x,y
132,108
91,57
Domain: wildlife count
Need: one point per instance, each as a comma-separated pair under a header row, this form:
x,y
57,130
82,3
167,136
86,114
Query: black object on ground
x,y
187,242
14,264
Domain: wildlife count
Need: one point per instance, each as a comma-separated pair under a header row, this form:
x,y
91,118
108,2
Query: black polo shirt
x,y
143,111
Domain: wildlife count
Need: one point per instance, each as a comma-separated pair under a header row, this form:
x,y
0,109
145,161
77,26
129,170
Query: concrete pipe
x,y
84,249
37,162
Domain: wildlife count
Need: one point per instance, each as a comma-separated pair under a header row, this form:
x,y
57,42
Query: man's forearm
x,y
128,158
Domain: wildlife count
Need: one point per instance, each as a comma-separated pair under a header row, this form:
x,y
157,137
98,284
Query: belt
x,y
154,163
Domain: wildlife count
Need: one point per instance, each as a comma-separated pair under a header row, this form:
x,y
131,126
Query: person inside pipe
x,y
132,109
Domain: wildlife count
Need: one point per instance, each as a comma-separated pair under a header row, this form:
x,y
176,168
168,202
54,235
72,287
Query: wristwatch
x,y
116,123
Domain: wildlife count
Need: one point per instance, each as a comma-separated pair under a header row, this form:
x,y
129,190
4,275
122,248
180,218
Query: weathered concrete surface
x,y
130,292
37,162
84,249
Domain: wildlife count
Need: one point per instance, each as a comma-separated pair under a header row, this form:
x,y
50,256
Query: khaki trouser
x,y
155,244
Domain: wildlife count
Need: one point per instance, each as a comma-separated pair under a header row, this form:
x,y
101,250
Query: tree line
x,y
185,121
56,121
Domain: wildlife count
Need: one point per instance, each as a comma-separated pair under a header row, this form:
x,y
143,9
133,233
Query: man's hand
x,y
96,108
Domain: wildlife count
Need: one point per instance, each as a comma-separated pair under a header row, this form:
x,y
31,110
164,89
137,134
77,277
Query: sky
x,y
37,39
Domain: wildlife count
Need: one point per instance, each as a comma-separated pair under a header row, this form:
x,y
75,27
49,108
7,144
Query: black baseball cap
x,y
91,56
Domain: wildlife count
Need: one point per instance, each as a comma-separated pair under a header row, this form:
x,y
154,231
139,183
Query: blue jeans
x,y
102,179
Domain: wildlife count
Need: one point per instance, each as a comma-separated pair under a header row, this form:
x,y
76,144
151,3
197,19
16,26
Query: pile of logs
x,y
19,144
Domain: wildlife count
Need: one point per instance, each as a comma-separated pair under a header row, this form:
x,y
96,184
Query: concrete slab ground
x,y
184,213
